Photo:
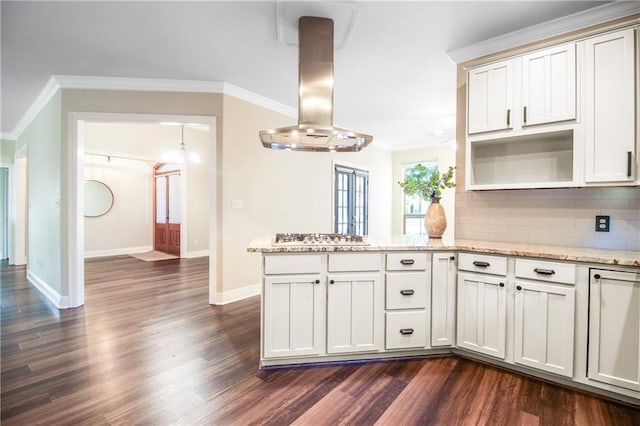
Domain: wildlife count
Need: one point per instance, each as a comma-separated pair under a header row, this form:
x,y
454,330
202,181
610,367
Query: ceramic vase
x,y
435,222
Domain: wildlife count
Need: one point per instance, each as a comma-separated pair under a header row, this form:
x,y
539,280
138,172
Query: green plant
x,y
423,182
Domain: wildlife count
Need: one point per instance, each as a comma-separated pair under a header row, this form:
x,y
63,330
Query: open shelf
x,y
540,160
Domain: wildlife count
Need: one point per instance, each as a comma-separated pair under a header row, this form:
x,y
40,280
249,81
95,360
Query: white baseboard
x,y
18,261
61,302
237,294
116,252
198,253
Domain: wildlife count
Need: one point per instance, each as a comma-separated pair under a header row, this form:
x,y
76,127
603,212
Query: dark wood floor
x,y
148,349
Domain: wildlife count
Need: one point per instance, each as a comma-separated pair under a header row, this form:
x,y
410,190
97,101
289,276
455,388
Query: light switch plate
x,y
602,223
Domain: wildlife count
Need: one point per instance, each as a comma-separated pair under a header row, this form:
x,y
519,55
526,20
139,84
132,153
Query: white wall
x,y
44,150
446,156
128,226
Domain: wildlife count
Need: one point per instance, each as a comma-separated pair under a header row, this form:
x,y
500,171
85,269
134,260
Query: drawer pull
x,y
406,331
407,261
317,281
452,258
501,284
544,271
519,288
596,276
332,282
481,264
408,292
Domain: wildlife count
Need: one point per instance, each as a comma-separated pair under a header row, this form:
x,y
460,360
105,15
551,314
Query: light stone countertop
x,y
574,254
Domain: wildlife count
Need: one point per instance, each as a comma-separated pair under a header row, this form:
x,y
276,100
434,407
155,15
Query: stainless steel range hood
x,y
315,130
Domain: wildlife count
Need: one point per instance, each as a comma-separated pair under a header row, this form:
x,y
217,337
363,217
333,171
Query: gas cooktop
x,y
320,239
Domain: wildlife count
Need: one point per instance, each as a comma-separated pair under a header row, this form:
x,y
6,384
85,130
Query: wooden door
x,y
167,210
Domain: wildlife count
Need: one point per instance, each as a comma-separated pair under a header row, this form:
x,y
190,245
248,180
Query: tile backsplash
x,y
551,216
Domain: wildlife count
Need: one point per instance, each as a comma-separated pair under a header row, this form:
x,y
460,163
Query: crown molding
x,y
58,82
259,100
544,30
45,95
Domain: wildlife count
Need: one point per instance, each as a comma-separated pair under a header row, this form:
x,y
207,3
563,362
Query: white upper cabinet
x,y
490,97
549,85
610,113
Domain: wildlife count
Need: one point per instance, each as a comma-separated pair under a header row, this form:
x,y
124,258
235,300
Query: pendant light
x,y
180,156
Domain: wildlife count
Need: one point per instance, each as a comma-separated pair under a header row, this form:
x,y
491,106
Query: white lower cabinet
x,y
544,326
614,328
482,314
355,310
443,296
293,316
406,330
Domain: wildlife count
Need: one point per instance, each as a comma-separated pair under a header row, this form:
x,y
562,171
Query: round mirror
x,y
98,198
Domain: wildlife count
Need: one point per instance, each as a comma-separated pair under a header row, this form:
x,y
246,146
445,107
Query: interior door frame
x,y
72,210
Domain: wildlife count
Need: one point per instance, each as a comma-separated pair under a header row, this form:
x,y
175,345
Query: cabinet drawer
x,y
406,290
546,271
495,265
410,261
406,330
347,262
293,264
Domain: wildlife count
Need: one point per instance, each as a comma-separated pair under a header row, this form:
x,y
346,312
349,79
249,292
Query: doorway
x,y
167,201
75,179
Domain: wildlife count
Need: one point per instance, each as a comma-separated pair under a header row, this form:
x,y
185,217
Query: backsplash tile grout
x,y
551,216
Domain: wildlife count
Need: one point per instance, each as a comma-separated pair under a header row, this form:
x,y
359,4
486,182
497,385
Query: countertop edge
x,y
574,254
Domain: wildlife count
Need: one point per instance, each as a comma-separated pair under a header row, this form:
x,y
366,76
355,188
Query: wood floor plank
x,y
147,348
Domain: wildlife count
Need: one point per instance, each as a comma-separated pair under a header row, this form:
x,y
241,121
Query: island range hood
x,y
315,130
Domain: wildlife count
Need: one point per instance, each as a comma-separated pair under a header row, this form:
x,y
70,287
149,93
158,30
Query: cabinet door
x,y
549,85
614,328
355,313
293,315
610,107
544,327
482,314
443,299
490,94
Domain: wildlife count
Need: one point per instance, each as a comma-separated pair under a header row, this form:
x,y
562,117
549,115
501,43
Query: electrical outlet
x,y
602,223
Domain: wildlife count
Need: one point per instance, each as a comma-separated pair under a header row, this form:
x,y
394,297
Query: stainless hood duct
x,y
315,130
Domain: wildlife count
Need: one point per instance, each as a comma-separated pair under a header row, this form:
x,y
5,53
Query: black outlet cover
x,y
602,223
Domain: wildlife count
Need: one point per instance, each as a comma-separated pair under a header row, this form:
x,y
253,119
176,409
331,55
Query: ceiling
x,y
393,79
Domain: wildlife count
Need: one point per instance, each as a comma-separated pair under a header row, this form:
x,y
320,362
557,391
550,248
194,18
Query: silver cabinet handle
x,y
408,292
629,158
406,331
481,264
407,261
544,271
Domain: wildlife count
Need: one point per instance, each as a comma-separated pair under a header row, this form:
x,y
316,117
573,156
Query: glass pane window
x,y
351,208
415,208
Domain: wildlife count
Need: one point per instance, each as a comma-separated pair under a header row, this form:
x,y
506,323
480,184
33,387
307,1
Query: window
x,y
351,206
414,207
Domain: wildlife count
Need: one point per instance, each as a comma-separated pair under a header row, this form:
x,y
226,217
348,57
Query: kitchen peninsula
x,y
565,314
